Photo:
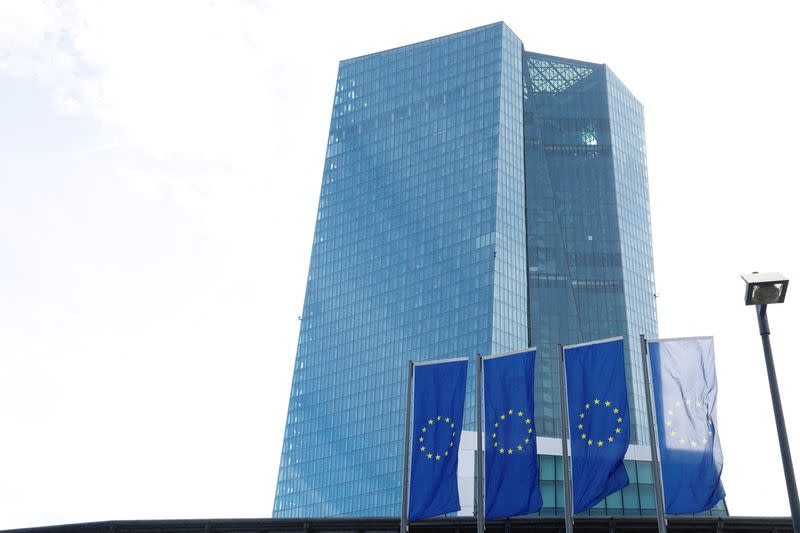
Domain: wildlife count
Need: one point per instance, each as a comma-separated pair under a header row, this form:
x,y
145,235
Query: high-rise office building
x,y
476,199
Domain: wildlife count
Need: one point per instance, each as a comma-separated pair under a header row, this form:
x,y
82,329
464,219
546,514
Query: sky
x,y
160,165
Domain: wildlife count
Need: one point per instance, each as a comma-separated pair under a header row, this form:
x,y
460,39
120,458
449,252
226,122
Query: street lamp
x,y
762,290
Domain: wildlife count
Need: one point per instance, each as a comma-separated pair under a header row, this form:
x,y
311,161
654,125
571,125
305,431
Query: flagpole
x,y
564,437
479,416
662,520
407,436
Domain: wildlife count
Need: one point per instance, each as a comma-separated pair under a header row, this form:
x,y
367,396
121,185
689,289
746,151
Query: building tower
x,y
476,199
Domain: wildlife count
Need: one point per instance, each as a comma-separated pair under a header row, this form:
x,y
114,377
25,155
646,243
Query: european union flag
x,y
512,471
439,389
599,420
685,396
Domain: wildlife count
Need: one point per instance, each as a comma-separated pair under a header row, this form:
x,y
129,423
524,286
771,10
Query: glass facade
x,y
419,253
590,264
475,199
637,499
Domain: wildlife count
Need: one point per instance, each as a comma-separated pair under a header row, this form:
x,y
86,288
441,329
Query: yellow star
x,y
495,445
682,441
527,441
599,443
424,430
709,433
608,404
519,447
590,442
447,419
454,433
580,426
510,451
586,406
673,433
422,448
438,418
421,439
496,424
446,452
430,421
583,436
669,423
619,419
670,413
705,441
494,435
502,450
677,403
430,456
617,430
519,413
452,424
438,457
616,410
596,401
530,430
687,401
451,444
694,444
582,415
527,420
610,439
511,411
502,417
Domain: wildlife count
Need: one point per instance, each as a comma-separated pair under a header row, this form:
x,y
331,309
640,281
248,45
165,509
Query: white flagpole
x,y
651,420
564,437
479,416
407,437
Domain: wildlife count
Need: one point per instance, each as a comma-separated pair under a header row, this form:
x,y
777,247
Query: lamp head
x,y
764,289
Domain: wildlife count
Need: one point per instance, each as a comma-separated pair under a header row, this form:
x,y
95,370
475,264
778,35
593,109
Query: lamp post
x,y
762,290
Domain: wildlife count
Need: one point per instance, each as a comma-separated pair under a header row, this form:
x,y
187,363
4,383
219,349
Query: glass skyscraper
x,y
476,199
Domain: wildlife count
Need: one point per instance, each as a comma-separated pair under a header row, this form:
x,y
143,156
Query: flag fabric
x,y
599,419
685,397
438,414
511,468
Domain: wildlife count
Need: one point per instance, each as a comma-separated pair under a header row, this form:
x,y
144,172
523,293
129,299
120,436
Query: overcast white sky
x,y
159,171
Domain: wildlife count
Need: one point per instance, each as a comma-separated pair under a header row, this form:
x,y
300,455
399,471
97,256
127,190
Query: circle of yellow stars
x,y
427,451
520,445
603,440
686,440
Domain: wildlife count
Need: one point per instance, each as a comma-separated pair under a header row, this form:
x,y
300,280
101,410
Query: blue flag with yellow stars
x,y
438,415
511,469
599,419
685,396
